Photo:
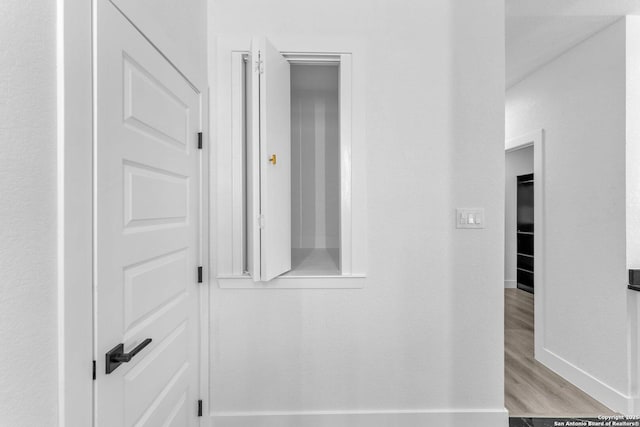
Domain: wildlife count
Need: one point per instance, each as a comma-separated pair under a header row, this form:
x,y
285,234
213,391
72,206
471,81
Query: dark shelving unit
x,y
525,230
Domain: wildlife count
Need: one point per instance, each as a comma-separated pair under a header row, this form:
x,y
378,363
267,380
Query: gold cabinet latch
x,y
273,159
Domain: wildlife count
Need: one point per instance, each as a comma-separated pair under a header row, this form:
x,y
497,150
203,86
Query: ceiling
x,y
538,31
532,41
572,7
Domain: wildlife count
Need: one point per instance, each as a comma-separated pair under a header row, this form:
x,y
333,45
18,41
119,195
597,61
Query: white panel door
x,y
176,27
146,230
275,152
270,121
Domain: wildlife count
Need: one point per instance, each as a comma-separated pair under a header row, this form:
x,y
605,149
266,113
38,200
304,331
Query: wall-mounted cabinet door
x,y
268,162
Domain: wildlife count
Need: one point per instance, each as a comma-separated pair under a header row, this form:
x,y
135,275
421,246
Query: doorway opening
x,y
531,388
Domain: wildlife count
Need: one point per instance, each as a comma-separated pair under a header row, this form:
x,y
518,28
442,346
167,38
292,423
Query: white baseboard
x,y
595,388
510,284
475,418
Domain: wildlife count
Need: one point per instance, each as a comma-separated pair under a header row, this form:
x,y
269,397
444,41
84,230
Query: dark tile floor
x,y
543,422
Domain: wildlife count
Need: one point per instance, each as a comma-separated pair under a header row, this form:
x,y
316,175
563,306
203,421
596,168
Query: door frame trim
x,y
74,212
536,139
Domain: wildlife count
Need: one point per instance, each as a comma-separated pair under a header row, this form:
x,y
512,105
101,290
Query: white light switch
x,y
470,218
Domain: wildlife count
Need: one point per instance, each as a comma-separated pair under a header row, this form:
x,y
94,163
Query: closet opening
x,y
315,169
317,181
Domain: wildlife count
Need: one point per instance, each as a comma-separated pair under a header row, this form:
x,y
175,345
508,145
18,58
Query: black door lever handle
x,y
116,356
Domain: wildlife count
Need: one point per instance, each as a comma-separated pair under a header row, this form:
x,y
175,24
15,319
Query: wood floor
x,y
531,389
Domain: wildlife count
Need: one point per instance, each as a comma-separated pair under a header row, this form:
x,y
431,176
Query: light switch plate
x,y
470,218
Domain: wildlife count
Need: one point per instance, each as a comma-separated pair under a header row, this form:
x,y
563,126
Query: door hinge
x,y
200,274
200,140
200,407
260,64
260,221
94,370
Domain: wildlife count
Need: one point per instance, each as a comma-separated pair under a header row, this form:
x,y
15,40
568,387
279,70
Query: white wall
x,y
422,343
579,101
28,291
518,162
